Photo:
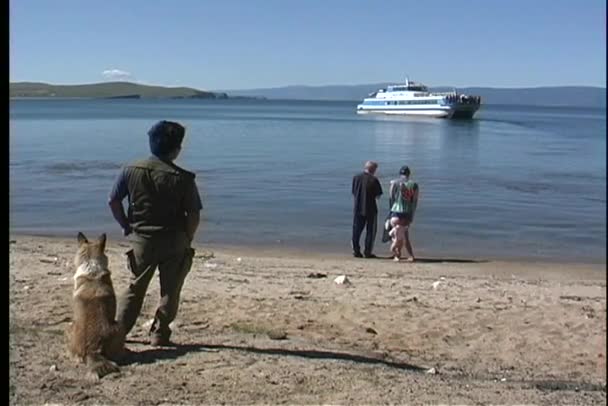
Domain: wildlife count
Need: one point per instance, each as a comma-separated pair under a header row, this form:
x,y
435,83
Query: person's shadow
x,y
152,355
440,260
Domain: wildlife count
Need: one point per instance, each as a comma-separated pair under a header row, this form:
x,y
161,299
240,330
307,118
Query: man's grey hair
x,y
371,166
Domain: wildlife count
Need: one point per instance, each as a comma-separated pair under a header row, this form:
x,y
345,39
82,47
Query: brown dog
x,y
94,337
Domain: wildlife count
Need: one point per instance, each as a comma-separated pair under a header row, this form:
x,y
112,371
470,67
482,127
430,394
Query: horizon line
x,y
300,85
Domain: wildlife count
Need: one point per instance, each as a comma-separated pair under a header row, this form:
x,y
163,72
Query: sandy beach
x,y
272,327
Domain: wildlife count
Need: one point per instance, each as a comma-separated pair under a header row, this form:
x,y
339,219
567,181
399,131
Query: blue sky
x,y
230,44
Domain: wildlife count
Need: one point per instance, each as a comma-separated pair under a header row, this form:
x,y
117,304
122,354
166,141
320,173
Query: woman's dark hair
x,y
165,137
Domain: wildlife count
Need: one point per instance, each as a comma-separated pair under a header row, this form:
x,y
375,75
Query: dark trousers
x,y
173,258
370,223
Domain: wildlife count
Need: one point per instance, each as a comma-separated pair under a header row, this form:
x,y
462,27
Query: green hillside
x,y
109,89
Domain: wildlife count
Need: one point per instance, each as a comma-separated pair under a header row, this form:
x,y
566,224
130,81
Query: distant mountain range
x,y
543,96
109,90
586,96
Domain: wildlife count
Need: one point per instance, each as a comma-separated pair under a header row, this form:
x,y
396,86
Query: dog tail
x,y
99,366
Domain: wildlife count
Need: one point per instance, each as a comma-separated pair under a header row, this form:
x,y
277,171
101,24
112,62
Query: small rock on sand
x,y
277,335
316,275
342,280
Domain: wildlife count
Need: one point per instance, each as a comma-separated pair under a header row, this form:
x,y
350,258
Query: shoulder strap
x,y
155,165
184,172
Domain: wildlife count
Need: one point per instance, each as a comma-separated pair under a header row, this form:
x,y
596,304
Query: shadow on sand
x,y
152,355
440,260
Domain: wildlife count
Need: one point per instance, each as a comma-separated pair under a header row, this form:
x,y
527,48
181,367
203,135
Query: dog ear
x,y
82,239
102,241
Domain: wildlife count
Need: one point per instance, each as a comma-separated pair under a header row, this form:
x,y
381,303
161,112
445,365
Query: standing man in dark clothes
x,y
162,218
366,189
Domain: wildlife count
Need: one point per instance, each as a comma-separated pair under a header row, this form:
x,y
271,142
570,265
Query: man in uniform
x,y
162,217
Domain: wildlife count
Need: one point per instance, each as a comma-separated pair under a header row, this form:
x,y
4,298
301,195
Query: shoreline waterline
x,y
497,266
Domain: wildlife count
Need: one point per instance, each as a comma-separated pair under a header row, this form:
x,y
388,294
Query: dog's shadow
x,y
150,356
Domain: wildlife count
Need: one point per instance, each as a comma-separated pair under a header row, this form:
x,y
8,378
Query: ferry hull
x,y
460,112
424,113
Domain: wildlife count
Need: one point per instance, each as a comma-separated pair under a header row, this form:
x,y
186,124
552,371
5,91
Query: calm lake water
x,y
516,182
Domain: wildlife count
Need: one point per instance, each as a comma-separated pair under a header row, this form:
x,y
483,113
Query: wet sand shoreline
x,y
335,251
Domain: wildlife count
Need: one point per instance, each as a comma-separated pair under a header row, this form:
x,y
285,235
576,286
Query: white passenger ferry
x,y
414,98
